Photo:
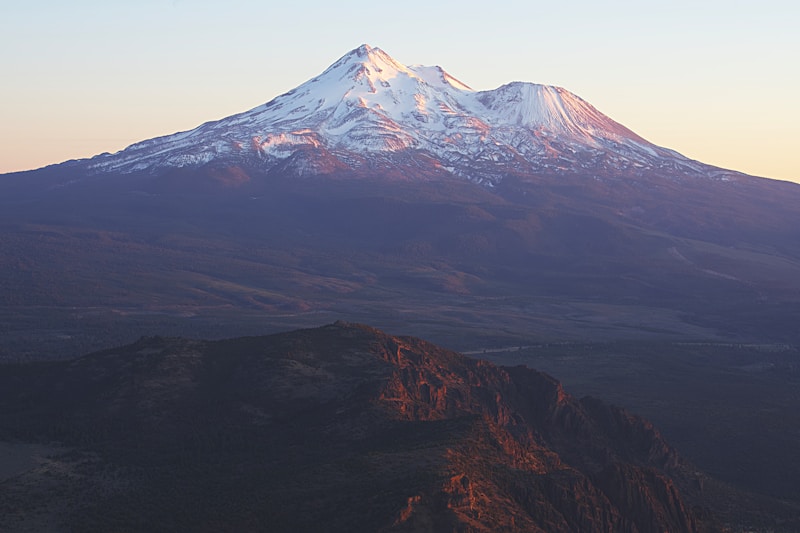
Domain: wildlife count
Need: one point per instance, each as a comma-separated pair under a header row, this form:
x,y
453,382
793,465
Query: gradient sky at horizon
x,y
717,81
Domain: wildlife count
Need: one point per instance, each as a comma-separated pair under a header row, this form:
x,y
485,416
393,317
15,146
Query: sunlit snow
x,y
368,103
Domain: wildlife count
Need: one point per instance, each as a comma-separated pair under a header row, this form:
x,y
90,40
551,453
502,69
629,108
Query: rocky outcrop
x,y
536,458
339,428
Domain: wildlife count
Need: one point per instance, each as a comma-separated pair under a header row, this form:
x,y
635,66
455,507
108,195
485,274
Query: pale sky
x,y
718,81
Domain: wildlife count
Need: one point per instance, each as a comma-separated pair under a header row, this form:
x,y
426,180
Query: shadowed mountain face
x,y
543,257
340,428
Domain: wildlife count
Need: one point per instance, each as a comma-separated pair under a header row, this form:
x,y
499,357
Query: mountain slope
x,y
341,427
368,111
419,197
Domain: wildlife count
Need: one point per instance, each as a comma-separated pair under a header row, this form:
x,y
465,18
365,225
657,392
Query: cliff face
x,y
535,458
339,428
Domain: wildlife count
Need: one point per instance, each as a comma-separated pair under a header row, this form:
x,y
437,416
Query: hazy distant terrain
x,y
85,269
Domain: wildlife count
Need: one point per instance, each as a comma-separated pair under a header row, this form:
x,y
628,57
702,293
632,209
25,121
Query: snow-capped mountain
x,y
367,111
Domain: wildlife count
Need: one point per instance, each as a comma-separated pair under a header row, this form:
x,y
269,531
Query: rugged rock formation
x,y
536,458
339,428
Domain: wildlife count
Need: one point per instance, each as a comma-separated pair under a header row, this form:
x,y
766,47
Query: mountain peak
x,y
368,110
368,58
556,110
362,50
368,52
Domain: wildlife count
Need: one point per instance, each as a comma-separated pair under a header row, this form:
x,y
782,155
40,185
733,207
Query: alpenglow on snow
x,y
367,112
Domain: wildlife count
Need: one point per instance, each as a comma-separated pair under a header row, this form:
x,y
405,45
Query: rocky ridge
x,y
341,425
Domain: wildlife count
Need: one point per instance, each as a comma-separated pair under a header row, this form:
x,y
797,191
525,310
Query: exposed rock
x,y
340,428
